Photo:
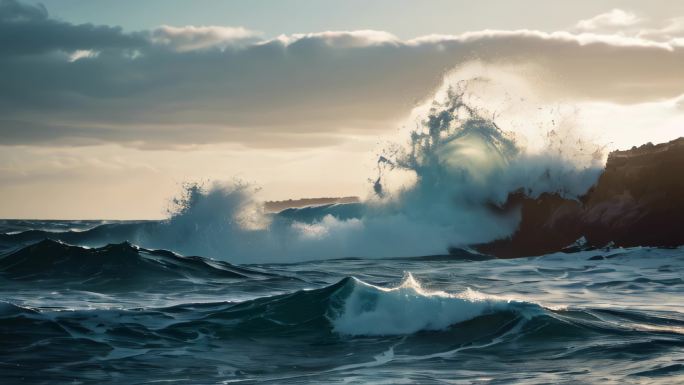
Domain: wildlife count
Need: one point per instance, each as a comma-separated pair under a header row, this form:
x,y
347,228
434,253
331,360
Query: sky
x,y
108,107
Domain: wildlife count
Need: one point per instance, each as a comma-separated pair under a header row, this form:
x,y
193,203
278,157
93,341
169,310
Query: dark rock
x,y
637,201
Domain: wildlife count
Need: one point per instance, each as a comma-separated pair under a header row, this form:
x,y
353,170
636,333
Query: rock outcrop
x,y
637,201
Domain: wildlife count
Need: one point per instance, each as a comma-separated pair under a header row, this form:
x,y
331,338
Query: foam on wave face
x,y
352,307
408,308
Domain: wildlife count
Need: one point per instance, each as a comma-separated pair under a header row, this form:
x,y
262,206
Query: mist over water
x,y
434,189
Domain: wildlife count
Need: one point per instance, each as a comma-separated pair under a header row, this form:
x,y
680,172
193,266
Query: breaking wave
x,y
409,308
349,307
456,168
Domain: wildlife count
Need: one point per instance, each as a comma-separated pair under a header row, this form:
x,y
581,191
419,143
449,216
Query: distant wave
x,y
115,265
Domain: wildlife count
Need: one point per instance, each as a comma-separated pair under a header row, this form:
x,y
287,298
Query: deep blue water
x,y
126,315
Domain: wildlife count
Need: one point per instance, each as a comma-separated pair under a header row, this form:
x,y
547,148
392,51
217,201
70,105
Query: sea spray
x,y
464,161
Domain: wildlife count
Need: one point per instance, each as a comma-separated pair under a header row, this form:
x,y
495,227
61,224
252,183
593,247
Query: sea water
x,y
122,314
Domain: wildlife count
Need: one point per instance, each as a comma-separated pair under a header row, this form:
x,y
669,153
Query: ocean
x,y
123,314
386,290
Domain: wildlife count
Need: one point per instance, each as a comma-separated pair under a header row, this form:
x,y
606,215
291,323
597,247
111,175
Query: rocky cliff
x,y
637,201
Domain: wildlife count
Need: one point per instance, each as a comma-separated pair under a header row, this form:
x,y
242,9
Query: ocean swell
x,y
115,266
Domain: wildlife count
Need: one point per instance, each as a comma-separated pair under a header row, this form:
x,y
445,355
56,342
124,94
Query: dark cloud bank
x,y
67,84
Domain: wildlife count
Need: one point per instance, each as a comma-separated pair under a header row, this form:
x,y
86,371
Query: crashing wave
x,y
462,165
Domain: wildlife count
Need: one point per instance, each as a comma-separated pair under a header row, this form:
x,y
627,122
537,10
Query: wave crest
x,y
409,308
115,264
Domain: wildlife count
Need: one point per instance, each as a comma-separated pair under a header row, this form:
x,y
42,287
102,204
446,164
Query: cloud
x,y
27,30
14,11
82,54
679,103
66,84
191,38
343,39
673,30
611,20
626,24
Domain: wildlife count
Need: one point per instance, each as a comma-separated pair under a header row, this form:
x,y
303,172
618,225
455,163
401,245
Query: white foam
x,y
408,308
462,163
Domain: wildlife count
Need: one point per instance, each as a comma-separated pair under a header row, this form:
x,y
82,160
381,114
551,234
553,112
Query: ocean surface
x,y
117,313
